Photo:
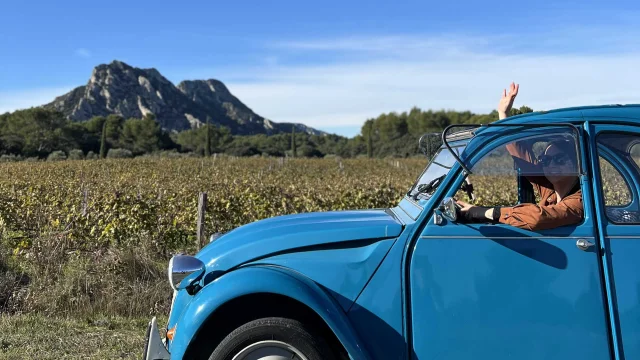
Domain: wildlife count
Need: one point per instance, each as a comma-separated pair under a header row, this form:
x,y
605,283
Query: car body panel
x,y
293,233
262,279
377,315
342,272
410,208
469,294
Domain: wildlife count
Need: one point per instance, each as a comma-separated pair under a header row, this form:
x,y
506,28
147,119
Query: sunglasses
x,y
559,159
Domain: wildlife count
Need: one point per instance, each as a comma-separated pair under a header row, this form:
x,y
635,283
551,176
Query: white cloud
x,y
448,73
348,94
390,45
23,99
82,52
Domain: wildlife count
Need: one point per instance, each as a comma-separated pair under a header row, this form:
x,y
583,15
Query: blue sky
x,y
333,64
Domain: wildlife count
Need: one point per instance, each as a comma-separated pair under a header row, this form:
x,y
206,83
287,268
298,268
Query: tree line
x,y
38,132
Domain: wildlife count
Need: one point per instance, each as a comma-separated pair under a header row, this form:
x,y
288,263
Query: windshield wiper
x,y
429,187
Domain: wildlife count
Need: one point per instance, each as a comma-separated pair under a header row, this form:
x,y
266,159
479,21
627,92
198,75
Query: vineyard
x,y
86,239
90,205
76,232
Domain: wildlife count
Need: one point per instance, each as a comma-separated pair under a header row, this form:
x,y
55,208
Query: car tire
x,y
274,337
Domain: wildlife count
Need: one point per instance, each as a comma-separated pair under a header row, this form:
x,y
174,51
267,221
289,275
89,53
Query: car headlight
x,y
184,271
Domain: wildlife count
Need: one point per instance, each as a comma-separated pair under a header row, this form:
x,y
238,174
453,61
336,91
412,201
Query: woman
x,y
560,194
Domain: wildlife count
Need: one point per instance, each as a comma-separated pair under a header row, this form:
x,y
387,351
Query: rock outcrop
x,y
131,92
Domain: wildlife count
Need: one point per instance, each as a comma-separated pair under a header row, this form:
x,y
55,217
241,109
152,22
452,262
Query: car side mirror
x,y
448,208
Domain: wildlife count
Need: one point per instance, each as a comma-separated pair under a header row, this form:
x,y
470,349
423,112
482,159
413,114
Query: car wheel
x,y
273,339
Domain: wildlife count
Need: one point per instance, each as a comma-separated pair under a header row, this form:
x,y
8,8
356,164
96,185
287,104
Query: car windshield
x,y
438,168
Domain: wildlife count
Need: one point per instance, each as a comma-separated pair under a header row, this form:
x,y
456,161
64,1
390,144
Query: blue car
x,y
415,281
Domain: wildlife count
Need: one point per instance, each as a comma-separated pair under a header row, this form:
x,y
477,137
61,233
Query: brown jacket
x,y
548,213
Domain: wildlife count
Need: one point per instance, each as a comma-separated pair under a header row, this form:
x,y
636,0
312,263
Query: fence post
x,y
202,207
84,203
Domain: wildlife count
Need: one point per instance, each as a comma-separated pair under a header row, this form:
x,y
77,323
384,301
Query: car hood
x,y
293,233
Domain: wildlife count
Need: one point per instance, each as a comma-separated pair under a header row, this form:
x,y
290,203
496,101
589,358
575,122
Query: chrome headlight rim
x,y
169,272
184,271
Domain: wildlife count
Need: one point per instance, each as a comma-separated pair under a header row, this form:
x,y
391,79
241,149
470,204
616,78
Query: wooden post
x,y
84,203
202,207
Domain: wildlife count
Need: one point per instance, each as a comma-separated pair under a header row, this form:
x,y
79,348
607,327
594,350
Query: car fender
x,y
264,279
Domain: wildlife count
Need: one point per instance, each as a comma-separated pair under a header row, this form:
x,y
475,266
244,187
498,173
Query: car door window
x,y
500,176
620,207
614,187
494,180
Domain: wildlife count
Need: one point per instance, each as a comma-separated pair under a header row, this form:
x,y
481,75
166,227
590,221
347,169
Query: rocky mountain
x,y
130,92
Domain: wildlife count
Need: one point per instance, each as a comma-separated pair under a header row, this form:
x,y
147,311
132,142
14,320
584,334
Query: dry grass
x,y
41,337
115,282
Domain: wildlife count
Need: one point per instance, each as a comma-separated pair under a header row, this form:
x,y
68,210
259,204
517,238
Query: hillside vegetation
x,y
40,133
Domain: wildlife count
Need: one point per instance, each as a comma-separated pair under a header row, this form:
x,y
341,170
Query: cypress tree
x,y
207,145
369,141
103,141
294,149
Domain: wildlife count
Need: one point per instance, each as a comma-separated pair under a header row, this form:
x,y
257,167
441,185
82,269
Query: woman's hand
x,y
506,102
464,207
474,213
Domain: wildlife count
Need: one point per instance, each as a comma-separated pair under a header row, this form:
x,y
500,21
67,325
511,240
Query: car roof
x,y
628,114
602,113
605,114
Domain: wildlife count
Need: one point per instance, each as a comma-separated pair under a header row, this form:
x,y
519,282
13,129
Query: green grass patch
x,y
39,337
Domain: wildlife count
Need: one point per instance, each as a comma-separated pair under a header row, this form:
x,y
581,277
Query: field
x,y
84,244
87,242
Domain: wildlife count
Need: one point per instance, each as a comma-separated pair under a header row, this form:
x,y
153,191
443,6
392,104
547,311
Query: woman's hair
x,y
565,146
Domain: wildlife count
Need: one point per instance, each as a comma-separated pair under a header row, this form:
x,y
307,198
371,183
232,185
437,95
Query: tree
x,y
369,139
115,124
40,131
142,136
207,141
103,142
523,110
294,150
34,132
195,139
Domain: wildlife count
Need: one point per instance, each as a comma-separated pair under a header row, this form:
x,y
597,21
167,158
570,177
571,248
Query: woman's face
x,y
557,165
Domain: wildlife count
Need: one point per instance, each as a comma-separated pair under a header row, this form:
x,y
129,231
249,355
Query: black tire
x,y
289,331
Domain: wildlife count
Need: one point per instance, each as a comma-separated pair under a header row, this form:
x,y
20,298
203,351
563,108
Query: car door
x,y
495,291
616,191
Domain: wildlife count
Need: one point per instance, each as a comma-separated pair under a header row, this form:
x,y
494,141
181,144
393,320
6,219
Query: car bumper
x,y
154,348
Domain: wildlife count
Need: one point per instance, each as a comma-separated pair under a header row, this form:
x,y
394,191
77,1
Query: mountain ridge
x,y
131,92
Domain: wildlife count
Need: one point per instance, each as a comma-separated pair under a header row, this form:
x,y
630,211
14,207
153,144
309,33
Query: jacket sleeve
x,y
522,155
538,217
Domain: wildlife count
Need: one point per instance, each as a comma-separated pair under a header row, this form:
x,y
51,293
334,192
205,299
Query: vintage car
x,y
415,282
